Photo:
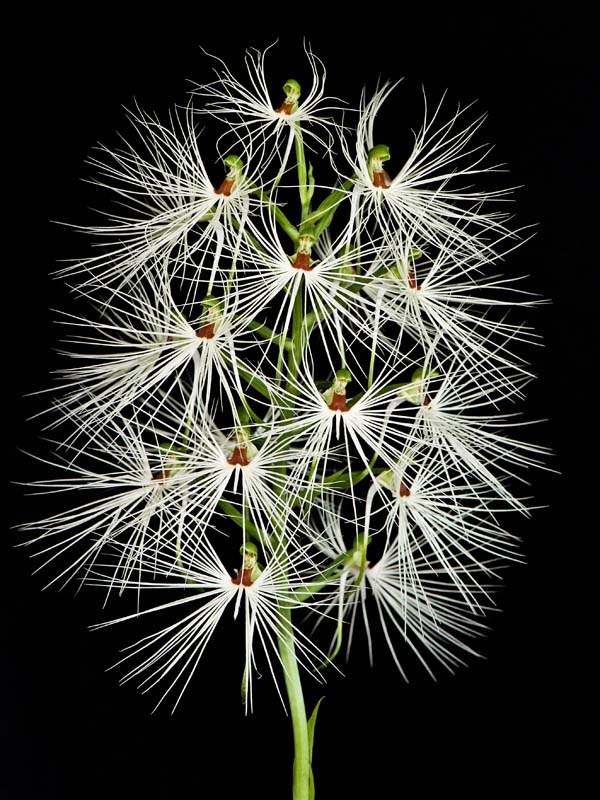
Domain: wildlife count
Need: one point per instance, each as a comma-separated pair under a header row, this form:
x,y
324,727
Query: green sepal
x,y
412,391
251,414
171,453
386,479
169,447
419,374
327,395
235,164
381,152
338,480
342,479
325,222
249,548
292,90
210,301
177,316
266,333
255,382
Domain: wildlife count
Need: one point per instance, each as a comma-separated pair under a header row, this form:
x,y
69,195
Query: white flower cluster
x,y
289,395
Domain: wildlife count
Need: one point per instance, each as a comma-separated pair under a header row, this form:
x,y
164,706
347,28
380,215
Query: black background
x,y
511,719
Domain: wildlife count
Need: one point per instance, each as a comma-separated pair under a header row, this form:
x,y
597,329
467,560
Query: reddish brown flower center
x,y
338,402
286,107
239,456
226,187
162,475
206,331
426,400
244,577
404,490
412,279
381,180
302,261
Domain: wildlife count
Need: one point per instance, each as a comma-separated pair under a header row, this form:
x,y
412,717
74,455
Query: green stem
x,y
287,652
302,173
286,643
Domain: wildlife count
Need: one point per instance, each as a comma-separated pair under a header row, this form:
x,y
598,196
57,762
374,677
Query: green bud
x,y
249,548
292,90
235,164
419,374
386,479
413,392
380,153
210,302
357,555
